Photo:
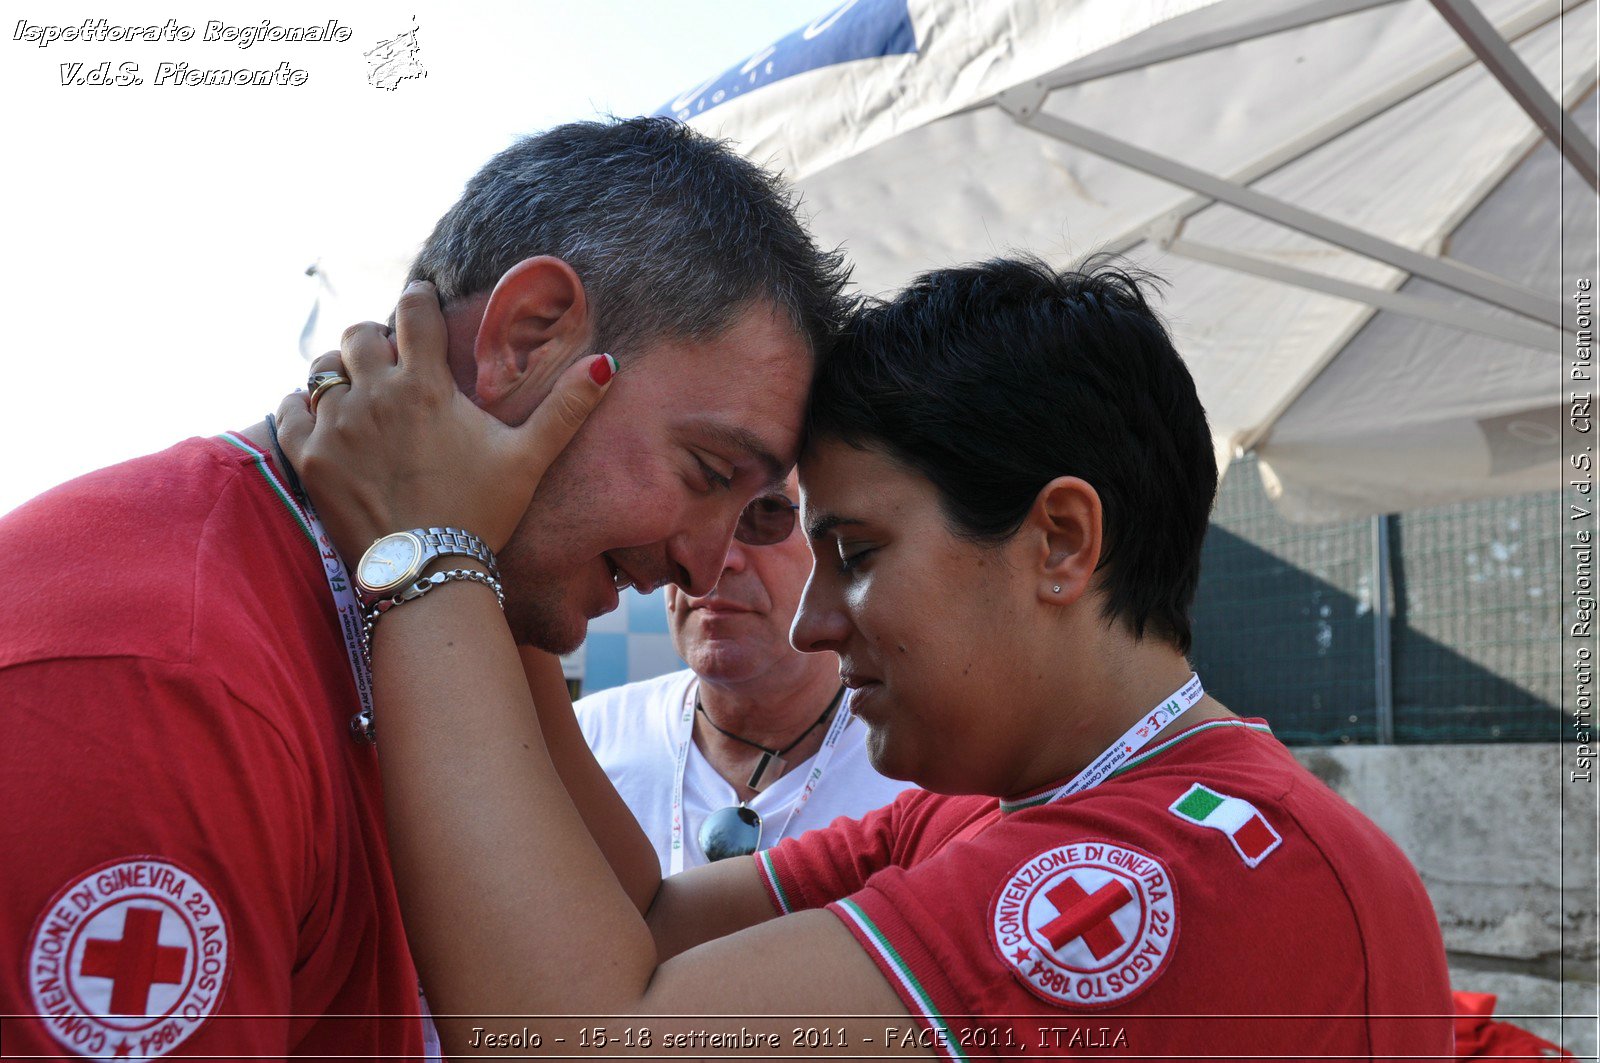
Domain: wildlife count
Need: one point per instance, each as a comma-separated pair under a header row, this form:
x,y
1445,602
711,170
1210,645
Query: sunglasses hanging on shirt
x,y
729,832
736,830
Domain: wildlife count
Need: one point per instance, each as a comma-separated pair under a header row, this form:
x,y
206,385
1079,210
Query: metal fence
x,y
1461,638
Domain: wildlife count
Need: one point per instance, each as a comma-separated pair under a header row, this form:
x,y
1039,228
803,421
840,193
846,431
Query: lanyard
x,y
352,628
819,764
1139,735
345,602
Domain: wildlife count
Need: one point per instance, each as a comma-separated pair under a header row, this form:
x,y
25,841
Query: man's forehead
x,y
743,390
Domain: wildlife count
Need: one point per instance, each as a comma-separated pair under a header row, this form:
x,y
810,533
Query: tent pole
x,y
1382,641
1513,28
1293,18
1510,330
1024,107
1509,69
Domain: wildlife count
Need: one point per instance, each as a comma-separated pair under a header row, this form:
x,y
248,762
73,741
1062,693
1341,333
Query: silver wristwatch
x,y
400,558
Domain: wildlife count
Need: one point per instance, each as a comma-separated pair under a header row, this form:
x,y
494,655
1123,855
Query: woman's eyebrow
x,y
822,525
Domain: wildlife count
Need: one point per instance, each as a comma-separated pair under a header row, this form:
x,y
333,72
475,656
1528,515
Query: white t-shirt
x,y
635,730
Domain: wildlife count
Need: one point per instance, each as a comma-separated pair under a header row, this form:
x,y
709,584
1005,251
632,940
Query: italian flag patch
x,y
1252,836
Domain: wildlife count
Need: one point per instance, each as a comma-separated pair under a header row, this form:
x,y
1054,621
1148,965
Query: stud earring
x,y
1056,588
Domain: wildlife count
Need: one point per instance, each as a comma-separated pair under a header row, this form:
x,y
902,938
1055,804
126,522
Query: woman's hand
x,y
402,448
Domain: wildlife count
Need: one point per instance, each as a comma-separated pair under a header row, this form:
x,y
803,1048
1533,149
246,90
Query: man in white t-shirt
x,y
754,741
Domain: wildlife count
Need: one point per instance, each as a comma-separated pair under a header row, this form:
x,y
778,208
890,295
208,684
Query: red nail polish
x,y
602,369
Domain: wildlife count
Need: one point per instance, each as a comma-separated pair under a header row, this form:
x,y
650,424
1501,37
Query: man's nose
x,y
700,556
819,624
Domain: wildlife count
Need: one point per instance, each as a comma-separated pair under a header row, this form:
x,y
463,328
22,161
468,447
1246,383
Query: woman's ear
x,y
535,324
1066,521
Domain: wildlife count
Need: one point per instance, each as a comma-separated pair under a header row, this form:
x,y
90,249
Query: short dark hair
x,y
992,380
671,232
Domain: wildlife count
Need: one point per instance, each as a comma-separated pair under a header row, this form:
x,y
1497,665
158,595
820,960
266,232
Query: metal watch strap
x,y
456,541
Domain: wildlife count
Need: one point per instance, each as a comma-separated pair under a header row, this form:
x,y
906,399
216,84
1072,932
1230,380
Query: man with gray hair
x,y
754,741
194,838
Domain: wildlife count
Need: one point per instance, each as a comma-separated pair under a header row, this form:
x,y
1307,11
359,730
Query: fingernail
x,y
602,369
418,284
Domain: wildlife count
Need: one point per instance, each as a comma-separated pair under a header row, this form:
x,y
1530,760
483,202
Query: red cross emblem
x,y
136,962
1087,916
1086,924
133,953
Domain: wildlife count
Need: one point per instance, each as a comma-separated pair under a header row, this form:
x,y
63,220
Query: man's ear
x,y
535,324
1066,522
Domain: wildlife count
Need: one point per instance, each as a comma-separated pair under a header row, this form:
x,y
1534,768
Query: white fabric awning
x,y
924,133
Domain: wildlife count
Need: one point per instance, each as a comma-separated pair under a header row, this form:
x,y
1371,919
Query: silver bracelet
x,y
361,725
423,586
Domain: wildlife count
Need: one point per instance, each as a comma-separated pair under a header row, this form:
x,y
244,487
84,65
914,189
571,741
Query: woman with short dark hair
x,y
1006,483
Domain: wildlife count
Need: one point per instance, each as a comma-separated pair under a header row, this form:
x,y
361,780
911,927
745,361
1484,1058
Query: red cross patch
x,y
128,960
1086,925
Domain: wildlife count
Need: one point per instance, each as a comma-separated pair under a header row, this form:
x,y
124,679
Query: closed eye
x,y
852,557
714,479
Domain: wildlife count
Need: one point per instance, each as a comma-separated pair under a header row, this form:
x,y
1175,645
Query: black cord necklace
x,y
283,460
771,762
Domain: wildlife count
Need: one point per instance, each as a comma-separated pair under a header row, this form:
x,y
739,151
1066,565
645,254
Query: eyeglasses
x,y
767,521
731,831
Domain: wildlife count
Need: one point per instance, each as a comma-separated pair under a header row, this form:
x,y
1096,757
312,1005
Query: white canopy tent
x,y
1365,226
1364,223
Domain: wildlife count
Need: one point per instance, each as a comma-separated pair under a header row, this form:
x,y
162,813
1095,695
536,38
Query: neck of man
x,y
772,712
1132,678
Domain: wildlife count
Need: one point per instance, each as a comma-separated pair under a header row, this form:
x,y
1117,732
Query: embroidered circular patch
x,y
128,960
1087,925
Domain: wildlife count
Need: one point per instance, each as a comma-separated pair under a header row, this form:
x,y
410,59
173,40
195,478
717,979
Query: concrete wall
x,y
1505,844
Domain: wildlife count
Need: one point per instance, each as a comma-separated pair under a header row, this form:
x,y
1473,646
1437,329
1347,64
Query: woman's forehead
x,y
831,460
841,482
828,464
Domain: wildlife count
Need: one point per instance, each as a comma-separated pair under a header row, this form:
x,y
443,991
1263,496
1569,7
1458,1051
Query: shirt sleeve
x,y
160,863
821,866
957,934
927,928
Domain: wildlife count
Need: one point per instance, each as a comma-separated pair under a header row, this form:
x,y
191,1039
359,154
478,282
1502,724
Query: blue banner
x,y
856,29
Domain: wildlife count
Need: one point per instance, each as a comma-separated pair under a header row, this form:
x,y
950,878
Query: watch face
x,y
389,562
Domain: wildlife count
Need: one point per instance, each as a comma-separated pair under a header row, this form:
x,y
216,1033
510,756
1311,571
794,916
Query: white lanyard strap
x,y
830,741
1123,749
685,737
841,719
351,626
345,602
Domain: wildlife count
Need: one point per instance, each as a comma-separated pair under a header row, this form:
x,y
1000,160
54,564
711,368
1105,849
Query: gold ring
x,y
321,382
